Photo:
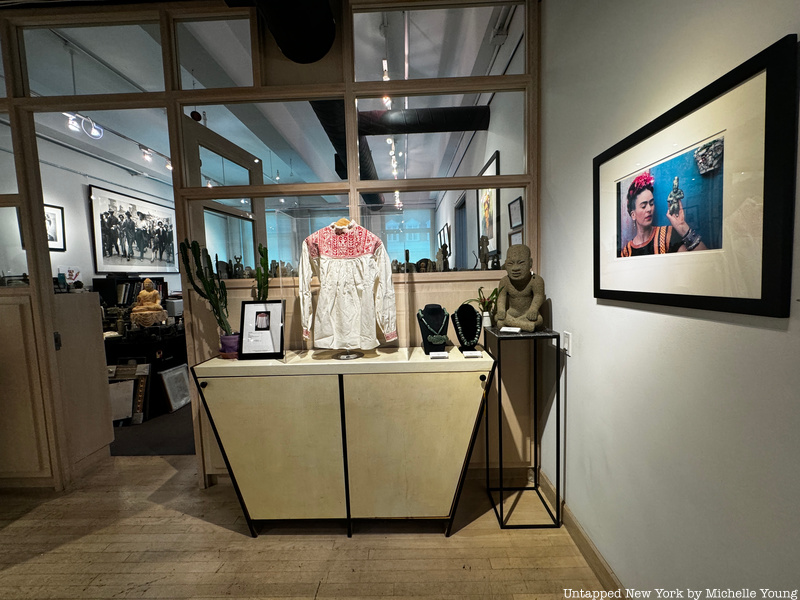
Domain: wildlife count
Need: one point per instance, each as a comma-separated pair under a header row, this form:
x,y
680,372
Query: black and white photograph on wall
x,y
131,234
488,205
54,222
262,329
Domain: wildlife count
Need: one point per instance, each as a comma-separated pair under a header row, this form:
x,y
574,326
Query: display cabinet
x,y
311,437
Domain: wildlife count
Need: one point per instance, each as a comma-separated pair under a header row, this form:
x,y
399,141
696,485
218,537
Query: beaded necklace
x,y
460,334
436,338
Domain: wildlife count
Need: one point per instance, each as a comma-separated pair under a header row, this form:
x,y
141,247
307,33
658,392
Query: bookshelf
x,y
122,290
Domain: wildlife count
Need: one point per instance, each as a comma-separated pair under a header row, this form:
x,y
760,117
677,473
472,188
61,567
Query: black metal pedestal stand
x,y
500,338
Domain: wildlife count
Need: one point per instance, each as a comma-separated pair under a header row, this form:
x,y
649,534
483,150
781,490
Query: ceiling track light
x,y
147,154
168,165
95,131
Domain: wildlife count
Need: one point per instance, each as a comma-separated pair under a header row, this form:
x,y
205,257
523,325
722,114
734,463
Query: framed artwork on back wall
x,y
132,235
488,207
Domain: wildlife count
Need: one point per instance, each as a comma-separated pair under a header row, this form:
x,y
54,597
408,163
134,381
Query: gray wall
x,y
68,184
683,453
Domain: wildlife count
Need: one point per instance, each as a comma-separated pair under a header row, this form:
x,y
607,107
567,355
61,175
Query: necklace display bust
x,y
467,323
433,320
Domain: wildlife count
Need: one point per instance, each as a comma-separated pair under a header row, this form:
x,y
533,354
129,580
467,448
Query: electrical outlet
x,y
567,343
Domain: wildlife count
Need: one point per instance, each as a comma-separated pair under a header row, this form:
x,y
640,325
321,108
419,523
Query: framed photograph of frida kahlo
x,y
696,209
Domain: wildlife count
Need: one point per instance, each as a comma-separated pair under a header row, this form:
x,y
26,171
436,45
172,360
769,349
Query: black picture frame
x,y
261,327
516,216
56,232
160,250
488,206
749,118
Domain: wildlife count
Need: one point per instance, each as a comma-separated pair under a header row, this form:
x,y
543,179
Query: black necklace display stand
x,y
433,325
467,323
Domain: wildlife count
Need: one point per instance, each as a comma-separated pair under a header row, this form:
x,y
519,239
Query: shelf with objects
x,y
521,296
348,427
146,341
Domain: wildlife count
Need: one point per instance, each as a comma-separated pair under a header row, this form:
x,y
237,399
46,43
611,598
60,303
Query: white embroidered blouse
x,y
355,288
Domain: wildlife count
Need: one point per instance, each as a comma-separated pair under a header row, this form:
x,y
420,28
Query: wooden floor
x,y
139,527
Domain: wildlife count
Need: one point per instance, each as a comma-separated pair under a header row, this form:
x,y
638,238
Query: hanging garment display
x,y
355,288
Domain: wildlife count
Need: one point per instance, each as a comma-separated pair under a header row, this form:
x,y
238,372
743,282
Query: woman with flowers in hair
x,y
652,239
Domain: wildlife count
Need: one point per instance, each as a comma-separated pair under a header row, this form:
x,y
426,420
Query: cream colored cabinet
x,y
385,436
282,442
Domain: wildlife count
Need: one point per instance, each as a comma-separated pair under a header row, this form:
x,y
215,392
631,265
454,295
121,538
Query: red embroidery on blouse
x,y
354,242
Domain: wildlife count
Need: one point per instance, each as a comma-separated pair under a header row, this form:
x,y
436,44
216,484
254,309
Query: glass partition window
x,y
290,220
218,170
109,59
13,258
105,142
8,174
423,44
229,240
440,230
215,54
293,142
429,136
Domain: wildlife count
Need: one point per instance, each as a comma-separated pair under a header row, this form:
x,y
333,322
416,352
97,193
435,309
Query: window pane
x,y
109,145
8,176
290,220
421,223
291,142
452,42
437,136
13,259
111,59
218,170
229,239
215,54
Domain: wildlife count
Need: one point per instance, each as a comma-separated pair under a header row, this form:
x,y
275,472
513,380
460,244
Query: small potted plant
x,y
211,288
486,304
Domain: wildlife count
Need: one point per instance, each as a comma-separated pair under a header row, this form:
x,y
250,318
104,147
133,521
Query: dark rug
x,y
164,435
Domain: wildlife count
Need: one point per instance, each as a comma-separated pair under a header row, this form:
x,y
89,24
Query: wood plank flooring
x,y
139,527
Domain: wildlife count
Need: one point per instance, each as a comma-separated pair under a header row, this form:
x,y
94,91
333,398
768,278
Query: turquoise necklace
x,y
436,338
460,334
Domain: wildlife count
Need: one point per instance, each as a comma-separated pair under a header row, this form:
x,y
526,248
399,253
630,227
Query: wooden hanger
x,y
343,222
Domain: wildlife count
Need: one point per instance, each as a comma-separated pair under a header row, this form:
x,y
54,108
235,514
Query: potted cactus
x,y
262,274
200,272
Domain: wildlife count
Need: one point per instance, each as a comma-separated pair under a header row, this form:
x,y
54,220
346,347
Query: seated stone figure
x,y
147,311
521,292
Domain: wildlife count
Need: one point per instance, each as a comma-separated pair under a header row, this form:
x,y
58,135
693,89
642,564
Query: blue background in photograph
x,y
702,202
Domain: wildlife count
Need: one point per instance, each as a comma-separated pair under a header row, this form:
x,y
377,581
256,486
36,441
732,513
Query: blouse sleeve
x,y
306,308
385,309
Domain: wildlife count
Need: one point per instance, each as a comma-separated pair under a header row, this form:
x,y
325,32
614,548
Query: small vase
x,y
229,346
487,319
